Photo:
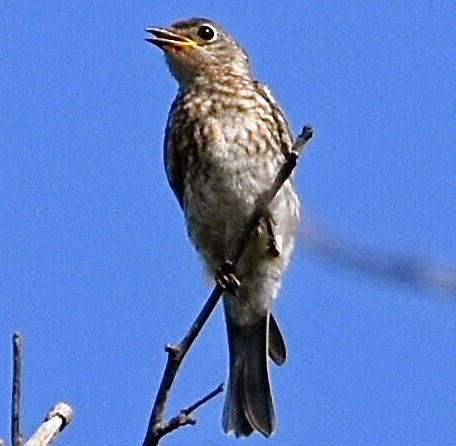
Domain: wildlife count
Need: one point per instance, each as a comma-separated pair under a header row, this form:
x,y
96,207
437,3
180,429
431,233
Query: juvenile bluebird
x,y
225,140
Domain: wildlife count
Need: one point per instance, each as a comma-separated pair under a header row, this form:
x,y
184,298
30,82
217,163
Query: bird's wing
x,y
172,156
283,128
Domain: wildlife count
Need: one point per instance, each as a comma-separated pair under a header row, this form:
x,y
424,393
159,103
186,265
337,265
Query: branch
x,y
16,436
185,416
402,268
157,427
56,420
265,198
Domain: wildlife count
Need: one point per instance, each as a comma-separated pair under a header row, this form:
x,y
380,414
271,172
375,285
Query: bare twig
x,y
185,417
56,420
265,199
16,436
204,400
157,427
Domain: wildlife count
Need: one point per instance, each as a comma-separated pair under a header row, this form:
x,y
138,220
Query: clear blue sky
x,y
96,270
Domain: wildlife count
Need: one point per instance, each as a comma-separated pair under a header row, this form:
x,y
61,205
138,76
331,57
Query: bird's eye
x,y
207,33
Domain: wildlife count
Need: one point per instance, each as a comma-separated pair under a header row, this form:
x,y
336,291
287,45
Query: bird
x,y
225,140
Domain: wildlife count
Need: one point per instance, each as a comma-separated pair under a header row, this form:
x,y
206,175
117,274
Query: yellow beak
x,y
167,38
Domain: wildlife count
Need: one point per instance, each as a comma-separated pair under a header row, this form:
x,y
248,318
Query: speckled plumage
x,y
226,138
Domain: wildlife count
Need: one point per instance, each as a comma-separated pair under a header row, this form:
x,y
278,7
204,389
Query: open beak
x,y
166,38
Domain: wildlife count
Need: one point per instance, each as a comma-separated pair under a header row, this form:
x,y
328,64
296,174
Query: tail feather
x,y
277,349
248,404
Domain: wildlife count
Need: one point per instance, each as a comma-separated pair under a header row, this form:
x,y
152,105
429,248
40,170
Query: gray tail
x,y
248,403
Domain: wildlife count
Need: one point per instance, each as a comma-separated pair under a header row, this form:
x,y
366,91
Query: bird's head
x,y
199,50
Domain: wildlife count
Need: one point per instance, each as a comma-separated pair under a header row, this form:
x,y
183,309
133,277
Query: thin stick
x,y
16,436
185,416
265,199
204,400
157,428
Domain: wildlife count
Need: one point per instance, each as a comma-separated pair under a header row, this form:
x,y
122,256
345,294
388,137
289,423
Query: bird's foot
x,y
226,277
273,247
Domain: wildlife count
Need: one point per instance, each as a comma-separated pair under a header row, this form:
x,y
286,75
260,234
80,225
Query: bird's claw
x,y
226,277
273,247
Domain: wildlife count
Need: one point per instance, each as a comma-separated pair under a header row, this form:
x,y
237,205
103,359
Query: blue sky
x,y
96,270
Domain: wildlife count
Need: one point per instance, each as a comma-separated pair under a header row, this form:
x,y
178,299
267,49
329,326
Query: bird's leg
x,y
226,277
273,248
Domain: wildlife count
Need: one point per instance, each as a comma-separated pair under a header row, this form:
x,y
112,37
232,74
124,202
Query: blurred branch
x,y
56,420
157,427
401,268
